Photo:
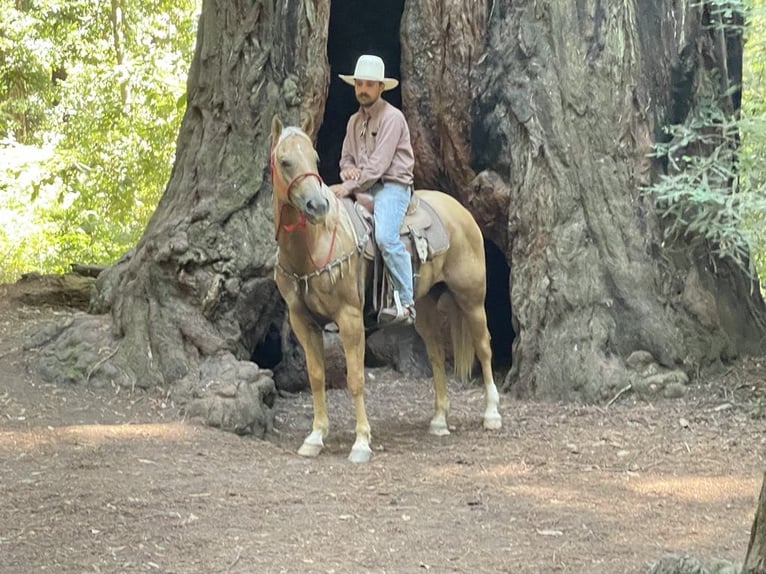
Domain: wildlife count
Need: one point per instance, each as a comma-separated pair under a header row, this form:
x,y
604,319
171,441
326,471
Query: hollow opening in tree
x,y
498,305
356,28
268,352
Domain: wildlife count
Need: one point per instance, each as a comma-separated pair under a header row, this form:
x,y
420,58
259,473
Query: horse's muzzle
x,y
317,209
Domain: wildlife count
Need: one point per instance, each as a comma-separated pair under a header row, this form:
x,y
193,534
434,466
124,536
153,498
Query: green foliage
x,y
753,128
108,137
26,61
714,186
703,195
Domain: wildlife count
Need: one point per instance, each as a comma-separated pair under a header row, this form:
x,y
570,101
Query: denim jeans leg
x,y
391,201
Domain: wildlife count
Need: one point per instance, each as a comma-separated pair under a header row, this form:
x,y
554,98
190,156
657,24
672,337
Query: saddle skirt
x,y
422,230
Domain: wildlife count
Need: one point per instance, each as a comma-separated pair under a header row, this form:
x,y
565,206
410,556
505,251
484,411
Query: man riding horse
x,y
322,272
377,158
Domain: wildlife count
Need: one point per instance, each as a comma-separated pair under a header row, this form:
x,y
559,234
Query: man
x,y
377,158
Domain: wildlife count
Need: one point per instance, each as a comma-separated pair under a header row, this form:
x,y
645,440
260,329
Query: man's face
x,y
367,91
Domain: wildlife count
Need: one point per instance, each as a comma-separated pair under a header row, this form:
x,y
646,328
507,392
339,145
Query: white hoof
x,y
438,429
310,450
313,444
360,454
493,422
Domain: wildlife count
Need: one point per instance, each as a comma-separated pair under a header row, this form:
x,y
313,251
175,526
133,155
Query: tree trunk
x,y
569,98
537,115
442,42
755,562
194,298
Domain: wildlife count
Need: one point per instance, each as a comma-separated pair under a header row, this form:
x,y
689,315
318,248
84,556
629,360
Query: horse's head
x,y
294,172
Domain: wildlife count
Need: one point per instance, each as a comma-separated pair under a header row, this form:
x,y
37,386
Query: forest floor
x,y
112,481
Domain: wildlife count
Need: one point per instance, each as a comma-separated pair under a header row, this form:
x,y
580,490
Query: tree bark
x,y
189,304
442,42
755,561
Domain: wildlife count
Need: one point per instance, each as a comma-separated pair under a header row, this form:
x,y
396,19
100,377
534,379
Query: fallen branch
x,y
619,394
87,270
100,362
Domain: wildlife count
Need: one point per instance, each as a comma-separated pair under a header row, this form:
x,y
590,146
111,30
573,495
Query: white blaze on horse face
x,y
305,189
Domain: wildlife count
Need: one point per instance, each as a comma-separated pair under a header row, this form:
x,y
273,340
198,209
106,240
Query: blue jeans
x,y
391,201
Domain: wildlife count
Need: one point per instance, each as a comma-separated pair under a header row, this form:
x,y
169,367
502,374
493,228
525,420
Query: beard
x,y
365,100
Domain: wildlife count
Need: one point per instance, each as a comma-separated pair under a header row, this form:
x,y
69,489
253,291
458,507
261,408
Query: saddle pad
x,y
434,232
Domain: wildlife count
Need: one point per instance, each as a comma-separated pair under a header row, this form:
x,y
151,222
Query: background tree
x,y
539,116
27,57
718,192
91,98
753,129
192,300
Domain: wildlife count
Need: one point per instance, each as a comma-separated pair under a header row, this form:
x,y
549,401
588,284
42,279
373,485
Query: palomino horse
x,y
321,274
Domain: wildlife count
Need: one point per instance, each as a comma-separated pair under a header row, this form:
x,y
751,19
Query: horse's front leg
x,y
351,329
310,337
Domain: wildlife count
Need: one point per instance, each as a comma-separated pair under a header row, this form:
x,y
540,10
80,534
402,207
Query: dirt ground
x,y
108,481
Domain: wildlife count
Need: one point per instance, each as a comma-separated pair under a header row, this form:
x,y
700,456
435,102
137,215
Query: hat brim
x,y
388,83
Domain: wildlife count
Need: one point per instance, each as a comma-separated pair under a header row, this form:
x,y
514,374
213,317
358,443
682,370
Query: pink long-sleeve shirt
x,y
377,142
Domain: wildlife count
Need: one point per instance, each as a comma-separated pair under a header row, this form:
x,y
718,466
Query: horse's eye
x,y
284,162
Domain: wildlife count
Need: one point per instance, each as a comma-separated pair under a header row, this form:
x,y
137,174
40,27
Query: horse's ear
x,y
307,125
276,128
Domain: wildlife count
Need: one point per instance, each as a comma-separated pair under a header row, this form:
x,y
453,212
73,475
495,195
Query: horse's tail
x,y
462,344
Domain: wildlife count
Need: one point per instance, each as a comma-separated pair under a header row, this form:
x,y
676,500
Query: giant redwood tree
x,y
539,115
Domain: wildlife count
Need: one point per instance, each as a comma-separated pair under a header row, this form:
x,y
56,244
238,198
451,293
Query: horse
x,y
322,276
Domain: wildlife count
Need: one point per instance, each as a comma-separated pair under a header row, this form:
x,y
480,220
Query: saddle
x,y
422,233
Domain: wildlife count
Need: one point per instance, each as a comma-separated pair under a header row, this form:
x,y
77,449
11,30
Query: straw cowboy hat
x,y
370,68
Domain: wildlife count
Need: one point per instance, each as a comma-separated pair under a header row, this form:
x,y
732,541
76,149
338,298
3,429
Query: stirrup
x,y
398,314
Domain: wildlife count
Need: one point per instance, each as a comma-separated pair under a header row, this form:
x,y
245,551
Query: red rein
x,y
301,223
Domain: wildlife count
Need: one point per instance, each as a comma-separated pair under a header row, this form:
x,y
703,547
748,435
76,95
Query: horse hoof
x,y
310,450
360,454
438,429
493,423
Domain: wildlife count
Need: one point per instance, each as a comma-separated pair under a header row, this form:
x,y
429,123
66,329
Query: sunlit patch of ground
x,y
89,435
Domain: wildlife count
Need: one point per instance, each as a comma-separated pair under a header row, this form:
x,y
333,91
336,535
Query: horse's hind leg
x,y
476,318
310,337
471,304
351,330
427,323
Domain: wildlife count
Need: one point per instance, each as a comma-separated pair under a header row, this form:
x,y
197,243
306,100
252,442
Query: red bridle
x,y
301,223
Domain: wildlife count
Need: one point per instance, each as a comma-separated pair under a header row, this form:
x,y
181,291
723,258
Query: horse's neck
x,y
302,249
